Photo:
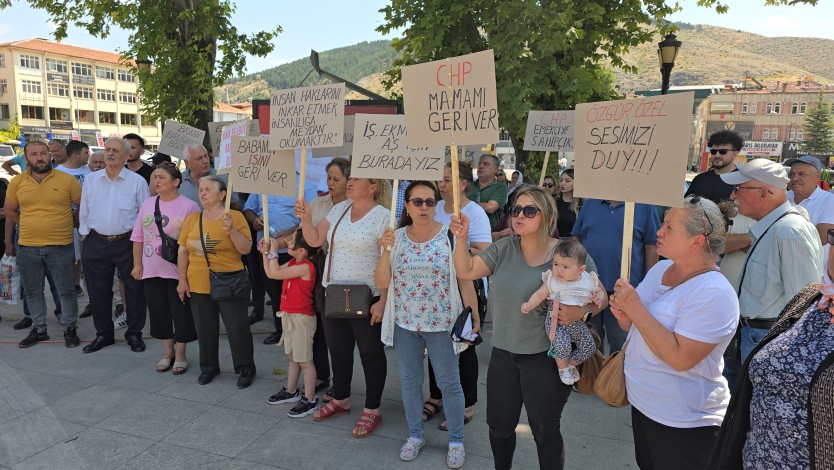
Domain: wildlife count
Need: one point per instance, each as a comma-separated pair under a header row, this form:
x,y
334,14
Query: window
x,y
30,62
106,95
795,108
744,108
55,65
4,111
753,108
800,134
126,76
802,107
766,133
28,86
4,86
82,69
105,72
59,114
769,108
777,108
84,115
791,134
31,112
106,117
2,60
57,89
774,134
127,119
126,97
83,92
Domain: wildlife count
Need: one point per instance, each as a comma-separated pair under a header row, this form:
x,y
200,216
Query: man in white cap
x,y
784,257
805,174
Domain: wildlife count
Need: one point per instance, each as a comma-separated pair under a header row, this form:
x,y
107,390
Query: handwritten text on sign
x,y
634,150
380,151
224,158
549,130
310,117
260,171
451,100
346,149
176,136
215,132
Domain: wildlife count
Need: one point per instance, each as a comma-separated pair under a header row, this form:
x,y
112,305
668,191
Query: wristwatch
x,y
275,255
587,313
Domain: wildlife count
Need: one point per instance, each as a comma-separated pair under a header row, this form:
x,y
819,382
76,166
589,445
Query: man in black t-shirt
x,y
724,147
134,160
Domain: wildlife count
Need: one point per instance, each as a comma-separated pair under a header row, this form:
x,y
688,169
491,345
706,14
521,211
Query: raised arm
x,y
468,267
314,235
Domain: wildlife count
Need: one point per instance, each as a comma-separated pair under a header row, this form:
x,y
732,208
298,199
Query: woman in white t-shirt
x,y
680,320
358,223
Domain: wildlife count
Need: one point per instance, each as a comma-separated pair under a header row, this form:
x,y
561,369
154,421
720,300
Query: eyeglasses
x,y
418,202
529,211
548,185
738,188
831,236
721,151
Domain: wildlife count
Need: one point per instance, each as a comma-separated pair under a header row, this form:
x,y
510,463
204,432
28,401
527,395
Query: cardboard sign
x,y
311,117
260,171
254,127
468,153
344,150
215,130
380,151
634,150
549,130
237,128
176,136
451,101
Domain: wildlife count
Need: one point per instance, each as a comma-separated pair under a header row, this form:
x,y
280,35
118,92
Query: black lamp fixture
x,y
667,52
143,65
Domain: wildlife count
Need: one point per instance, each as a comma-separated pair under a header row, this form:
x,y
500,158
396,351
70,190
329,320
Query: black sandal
x,y
466,420
430,409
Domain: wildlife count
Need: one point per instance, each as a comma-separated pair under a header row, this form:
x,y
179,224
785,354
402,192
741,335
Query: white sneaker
x,y
565,376
120,322
574,372
455,457
410,449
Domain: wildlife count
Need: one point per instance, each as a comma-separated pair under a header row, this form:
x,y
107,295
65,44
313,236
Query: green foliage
x,y
12,133
532,167
818,128
182,39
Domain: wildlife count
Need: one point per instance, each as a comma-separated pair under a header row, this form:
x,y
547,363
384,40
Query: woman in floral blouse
x,y
423,303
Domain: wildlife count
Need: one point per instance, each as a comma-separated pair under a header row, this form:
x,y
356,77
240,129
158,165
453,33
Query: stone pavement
x,y
62,409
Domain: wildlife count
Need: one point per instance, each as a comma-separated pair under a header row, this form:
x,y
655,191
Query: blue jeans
x,y
749,338
607,325
59,260
409,346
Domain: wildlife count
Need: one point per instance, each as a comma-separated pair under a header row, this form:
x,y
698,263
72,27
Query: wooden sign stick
x,y
303,173
393,221
628,236
229,194
455,181
544,167
265,218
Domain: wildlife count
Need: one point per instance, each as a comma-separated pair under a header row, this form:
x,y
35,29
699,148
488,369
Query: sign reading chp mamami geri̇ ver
x,y
310,117
257,170
380,151
176,136
344,150
549,130
634,150
451,101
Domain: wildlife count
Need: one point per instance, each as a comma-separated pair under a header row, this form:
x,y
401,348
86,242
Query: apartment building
x,y
59,91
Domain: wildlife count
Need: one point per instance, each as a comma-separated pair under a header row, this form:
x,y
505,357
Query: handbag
x,y
232,285
169,245
345,300
9,281
590,368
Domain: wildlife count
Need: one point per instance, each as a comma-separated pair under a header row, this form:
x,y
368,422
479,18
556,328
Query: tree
x,y
12,133
181,38
818,128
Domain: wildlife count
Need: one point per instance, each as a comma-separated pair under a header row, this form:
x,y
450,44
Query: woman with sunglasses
x,y
679,320
567,205
520,373
423,304
504,227
549,185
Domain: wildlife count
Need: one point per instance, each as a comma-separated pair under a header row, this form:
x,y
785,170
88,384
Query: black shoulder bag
x,y
232,285
169,245
345,300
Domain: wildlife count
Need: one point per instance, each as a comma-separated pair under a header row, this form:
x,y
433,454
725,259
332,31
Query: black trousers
x,y
468,365
273,290
658,446
170,317
343,334
99,259
320,359
255,268
531,380
207,313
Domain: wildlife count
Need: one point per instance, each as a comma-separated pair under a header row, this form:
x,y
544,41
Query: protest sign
x,y
344,150
254,127
469,153
549,130
215,130
258,170
311,117
176,136
223,159
451,101
380,151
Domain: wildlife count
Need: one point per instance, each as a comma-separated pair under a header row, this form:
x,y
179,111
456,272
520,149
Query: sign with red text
x,y
451,101
257,170
344,150
549,130
176,136
380,151
310,117
634,150
224,158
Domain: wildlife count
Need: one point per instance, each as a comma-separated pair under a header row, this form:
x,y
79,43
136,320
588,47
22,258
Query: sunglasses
x,y
418,202
831,236
529,211
697,200
548,185
721,151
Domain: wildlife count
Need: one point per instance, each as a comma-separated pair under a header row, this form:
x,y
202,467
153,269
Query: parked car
x,y
6,152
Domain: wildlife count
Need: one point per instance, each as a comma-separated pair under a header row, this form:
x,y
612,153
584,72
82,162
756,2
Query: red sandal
x,y
366,425
330,410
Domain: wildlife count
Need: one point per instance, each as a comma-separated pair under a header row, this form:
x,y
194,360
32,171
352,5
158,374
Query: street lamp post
x,y
667,52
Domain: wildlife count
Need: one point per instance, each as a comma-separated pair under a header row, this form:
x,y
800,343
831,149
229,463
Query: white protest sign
x,y
451,101
260,171
215,130
176,136
224,158
310,117
380,151
634,150
468,153
549,130
255,127
344,150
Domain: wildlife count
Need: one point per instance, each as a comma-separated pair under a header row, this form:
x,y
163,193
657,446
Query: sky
x,y
327,24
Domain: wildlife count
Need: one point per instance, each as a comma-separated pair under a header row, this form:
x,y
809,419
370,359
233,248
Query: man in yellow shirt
x,y
40,201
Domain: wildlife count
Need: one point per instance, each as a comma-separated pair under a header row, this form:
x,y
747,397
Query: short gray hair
x,y
125,143
185,151
704,217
